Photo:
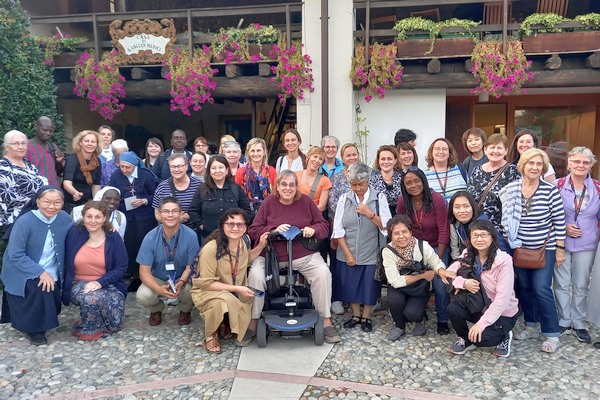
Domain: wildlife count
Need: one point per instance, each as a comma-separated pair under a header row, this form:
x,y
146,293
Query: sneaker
x,y
419,329
331,336
503,349
376,307
443,328
396,334
583,335
565,330
337,307
460,347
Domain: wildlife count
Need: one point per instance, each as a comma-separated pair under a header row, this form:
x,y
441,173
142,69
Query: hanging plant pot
x,y
67,59
562,42
452,47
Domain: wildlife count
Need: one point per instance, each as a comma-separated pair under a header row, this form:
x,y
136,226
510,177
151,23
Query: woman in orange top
x,y
311,178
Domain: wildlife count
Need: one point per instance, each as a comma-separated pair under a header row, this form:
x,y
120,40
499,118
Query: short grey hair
x,y
359,172
119,144
10,135
175,156
584,151
231,143
328,137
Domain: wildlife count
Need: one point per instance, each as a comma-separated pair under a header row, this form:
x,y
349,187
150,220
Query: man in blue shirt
x,y
332,164
165,259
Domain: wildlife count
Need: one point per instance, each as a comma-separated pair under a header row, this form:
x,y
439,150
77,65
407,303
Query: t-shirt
x,y
154,254
89,263
184,196
324,184
40,156
73,173
446,183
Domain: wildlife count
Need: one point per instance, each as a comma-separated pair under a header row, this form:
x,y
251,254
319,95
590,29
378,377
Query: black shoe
x,y
583,335
597,345
565,330
366,325
442,328
352,322
134,285
38,338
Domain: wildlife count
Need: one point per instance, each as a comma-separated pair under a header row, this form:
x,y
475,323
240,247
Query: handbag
x,y
473,302
421,287
489,186
530,258
272,270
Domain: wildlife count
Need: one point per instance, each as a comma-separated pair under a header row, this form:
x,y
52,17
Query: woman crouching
x,y
96,261
493,269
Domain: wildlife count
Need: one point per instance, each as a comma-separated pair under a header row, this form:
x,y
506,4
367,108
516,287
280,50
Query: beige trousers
x,y
147,298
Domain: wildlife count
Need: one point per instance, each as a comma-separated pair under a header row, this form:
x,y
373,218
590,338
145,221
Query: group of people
x,y
190,229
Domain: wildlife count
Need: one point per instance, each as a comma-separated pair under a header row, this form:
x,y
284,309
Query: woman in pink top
x,y
493,325
311,182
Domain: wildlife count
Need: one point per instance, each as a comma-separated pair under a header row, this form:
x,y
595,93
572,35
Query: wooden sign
x,y
143,42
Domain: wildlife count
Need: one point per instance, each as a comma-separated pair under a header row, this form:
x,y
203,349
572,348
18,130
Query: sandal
x,y
550,345
366,325
225,331
352,322
526,334
211,344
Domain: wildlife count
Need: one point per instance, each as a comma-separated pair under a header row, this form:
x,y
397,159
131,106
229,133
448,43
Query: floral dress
x,y
391,192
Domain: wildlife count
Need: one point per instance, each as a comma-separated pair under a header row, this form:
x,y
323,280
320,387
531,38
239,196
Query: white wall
x,y
422,111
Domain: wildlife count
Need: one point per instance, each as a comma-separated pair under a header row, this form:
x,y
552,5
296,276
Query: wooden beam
x,y
239,100
140,74
233,70
243,86
593,61
264,69
418,3
553,62
434,66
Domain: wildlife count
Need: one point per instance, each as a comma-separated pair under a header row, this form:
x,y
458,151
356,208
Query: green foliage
x,y
466,24
54,45
362,135
548,20
415,24
591,20
27,89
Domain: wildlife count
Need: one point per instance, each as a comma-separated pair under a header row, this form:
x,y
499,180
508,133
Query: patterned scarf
x,y
406,254
256,186
86,168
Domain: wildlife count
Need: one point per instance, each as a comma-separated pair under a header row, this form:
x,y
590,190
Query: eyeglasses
x,y
291,185
47,203
18,144
585,163
442,149
484,235
412,168
237,225
177,166
170,212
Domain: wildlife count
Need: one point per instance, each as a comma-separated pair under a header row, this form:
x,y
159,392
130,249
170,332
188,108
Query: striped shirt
x,y
446,183
184,196
40,156
542,212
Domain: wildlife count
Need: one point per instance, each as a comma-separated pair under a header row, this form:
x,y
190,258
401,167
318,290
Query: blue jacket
x,y
144,186
115,259
24,250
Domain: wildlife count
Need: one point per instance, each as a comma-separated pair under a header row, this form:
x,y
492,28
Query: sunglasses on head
x,y
412,168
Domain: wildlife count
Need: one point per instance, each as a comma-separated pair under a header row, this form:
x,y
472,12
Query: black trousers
x,y
491,336
405,308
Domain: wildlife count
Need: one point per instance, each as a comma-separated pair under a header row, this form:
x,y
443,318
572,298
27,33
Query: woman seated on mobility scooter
x,y
220,293
492,309
288,207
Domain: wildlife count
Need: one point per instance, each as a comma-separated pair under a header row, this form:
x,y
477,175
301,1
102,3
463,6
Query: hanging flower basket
x,y
500,74
293,73
383,73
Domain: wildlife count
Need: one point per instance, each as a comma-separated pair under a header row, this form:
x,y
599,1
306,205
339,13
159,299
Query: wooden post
x,y
288,26
96,39
190,34
367,28
504,25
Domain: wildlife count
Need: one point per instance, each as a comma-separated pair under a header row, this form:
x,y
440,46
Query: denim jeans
x,y
442,298
534,289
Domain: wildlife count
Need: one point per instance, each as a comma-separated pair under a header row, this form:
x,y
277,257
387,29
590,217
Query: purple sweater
x,y
498,282
435,223
301,213
587,220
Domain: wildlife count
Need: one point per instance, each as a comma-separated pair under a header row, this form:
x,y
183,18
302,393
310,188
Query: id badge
x,y
170,266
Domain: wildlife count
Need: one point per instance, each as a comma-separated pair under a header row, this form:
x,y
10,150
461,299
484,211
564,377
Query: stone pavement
x,y
168,362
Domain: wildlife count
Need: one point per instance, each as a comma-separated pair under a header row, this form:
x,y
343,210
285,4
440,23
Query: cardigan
x,y
434,225
429,258
25,247
115,261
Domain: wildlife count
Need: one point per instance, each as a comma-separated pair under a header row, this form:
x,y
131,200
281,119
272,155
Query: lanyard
x,y
171,256
462,235
577,203
234,267
357,204
479,266
419,221
442,186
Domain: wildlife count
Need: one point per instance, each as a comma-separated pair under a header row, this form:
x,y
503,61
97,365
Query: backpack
x,y
560,183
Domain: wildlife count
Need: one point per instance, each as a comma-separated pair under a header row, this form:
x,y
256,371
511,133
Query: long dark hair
x,y
219,233
209,183
462,193
427,197
513,153
469,259
297,134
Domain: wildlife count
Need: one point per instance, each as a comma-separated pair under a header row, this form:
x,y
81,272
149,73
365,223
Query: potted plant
x,y
543,33
230,45
497,73
55,45
191,80
101,83
293,73
261,40
381,74
453,43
